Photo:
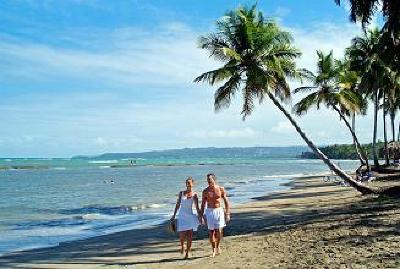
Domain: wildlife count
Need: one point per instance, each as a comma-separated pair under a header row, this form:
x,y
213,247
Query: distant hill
x,y
212,152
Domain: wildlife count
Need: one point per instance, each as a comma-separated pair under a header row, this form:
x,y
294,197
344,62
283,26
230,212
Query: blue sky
x,y
94,76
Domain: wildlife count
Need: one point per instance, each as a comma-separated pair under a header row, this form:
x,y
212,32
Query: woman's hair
x,y
212,175
190,179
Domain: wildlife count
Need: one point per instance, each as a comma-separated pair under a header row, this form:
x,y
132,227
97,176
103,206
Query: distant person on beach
x,y
214,213
188,221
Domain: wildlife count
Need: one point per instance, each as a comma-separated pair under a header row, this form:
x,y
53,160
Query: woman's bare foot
x,y
188,255
213,253
218,251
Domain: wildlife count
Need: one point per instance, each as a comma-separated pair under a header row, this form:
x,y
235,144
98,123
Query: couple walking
x,y
211,213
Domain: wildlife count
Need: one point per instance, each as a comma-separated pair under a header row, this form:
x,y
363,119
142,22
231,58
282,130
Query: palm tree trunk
x,y
398,133
363,158
376,104
386,155
353,127
385,139
358,186
392,117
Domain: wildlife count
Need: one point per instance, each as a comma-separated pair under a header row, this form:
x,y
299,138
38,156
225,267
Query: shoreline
x,y
140,237
162,222
312,224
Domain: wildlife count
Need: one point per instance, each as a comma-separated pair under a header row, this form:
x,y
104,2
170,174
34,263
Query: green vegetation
x,y
344,151
258,59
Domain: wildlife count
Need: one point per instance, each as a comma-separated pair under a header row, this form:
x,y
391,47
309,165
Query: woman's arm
x,y
203,202
178,204
196,204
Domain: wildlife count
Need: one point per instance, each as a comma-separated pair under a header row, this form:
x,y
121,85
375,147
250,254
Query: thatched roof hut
x,y
394,150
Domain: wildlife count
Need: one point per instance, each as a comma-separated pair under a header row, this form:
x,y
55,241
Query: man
x,y
214,213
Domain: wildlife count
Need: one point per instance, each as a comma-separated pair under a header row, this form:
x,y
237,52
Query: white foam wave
x,y
104,166
59,168
285,176
93,216
156,205
104,161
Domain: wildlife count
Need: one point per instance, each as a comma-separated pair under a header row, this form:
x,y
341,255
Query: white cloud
x,y
281,11
226,134
323,134
107,118
283,127
128,56
325,37
100,141
27,138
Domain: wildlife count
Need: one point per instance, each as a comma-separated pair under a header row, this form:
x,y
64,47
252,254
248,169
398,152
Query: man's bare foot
x,y
188,255
218,251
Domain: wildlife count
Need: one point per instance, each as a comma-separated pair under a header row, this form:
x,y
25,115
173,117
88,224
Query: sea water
x,y
48,201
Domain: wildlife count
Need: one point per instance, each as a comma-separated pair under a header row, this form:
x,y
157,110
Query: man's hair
x,y
212,175
190,179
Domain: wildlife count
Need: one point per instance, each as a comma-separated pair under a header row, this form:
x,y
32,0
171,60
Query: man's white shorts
x,y
215,218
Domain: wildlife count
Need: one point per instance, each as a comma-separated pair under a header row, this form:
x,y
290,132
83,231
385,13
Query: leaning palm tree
x,y
333,87
258,57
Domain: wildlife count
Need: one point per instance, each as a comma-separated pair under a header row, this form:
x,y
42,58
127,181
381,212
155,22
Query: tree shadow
x,y
148,240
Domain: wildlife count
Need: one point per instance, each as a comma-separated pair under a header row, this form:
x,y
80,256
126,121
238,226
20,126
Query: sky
x,y
95,76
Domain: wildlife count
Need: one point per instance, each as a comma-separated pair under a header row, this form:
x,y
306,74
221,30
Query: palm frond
x,y
304,89
302,107
223,95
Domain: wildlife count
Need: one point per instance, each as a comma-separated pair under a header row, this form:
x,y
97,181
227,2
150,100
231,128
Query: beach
x,y
313,224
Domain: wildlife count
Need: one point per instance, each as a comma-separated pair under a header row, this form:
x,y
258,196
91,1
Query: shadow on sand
x,y
146,241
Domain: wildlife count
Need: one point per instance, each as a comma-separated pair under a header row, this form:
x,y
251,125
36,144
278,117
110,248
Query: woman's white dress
x,y
187,219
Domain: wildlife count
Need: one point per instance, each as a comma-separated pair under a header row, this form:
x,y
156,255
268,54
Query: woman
x,y
187,220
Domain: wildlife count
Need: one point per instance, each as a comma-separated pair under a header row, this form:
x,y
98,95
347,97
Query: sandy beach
x,y
313,224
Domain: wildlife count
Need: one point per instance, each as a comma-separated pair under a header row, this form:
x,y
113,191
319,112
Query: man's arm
x,y
227,204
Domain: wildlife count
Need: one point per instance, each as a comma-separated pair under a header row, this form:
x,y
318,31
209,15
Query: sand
x,y
314,224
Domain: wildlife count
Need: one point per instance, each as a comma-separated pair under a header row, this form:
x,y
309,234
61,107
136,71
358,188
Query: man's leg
x,y
211,234
218,235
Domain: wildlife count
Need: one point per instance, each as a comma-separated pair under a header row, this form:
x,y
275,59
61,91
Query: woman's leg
x,y
182,240
189,235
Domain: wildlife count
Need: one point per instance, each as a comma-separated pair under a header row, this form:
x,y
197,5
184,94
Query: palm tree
x,y
258,58
365,57
363,10
349,80
334,87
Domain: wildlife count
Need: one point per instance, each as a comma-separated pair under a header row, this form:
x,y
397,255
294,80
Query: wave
x,y
285,176
92,216
97,210
59,168
104,161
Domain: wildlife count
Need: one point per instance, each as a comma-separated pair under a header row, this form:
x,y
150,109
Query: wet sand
x,y
314,224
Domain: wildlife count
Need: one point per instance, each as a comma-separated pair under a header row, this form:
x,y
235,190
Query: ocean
x,y
48,201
